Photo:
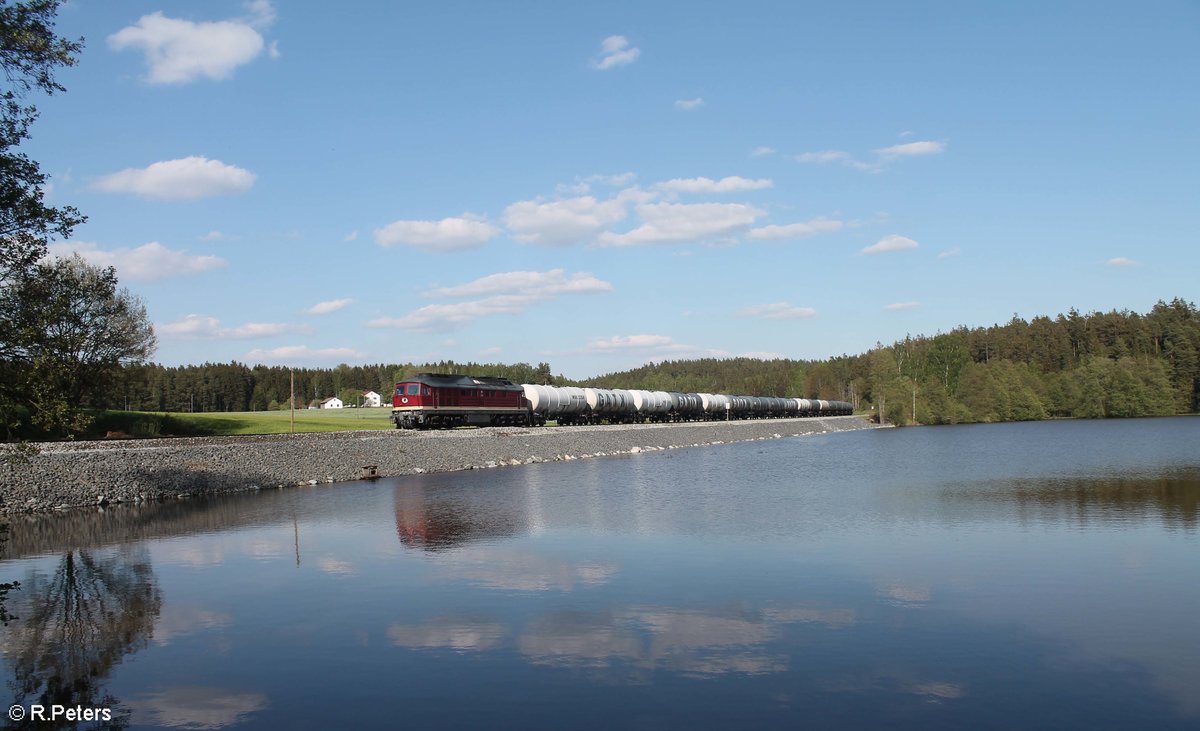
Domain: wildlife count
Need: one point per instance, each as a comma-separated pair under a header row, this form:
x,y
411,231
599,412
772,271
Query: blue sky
x,y
598,186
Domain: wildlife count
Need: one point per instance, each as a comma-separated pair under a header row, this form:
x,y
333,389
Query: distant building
x,y
333,402
372,399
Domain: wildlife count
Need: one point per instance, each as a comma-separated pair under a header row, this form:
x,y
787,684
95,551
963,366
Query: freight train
x,y
436,400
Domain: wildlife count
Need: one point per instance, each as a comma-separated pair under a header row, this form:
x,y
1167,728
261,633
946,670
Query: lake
x,y
1034,575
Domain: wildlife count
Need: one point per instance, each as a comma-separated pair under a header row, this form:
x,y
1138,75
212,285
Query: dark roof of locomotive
x,y
442,380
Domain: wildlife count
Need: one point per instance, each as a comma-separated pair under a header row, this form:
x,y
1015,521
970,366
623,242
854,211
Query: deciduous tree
x,y
69,330
30,54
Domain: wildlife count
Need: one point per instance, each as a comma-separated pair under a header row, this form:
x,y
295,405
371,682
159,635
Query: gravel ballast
x,y
76,474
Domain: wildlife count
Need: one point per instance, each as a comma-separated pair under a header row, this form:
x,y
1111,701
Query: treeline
x,y
239,387
715,375
1101,364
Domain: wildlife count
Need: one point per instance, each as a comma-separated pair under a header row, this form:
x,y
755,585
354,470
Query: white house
x,y
333,402
372,399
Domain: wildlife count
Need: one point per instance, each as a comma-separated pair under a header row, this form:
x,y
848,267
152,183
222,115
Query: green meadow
x,y
145,424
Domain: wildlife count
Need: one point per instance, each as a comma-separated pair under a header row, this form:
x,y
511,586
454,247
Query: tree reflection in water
x,y
76,626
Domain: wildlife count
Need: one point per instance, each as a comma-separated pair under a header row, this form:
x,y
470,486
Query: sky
x,y
602,185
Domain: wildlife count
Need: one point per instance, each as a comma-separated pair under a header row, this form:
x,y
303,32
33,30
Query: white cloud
x,y
328,306
352,236
891,243
147,263
796,230
583,186
187,178
615,51
213,235
949,253
494,350
762,355
650,346
762,151
689,105
911,149
442,316
777,311
866,167
902,306
261,13
680,222
505,293
304,354
617,180
823,156
708,185
178,51
1121,261
209,328
628,342
448,234
542,284
558,223
883,155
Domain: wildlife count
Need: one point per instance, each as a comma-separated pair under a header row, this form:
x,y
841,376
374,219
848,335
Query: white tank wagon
x,y
575,404
663,405
565,405
652,405
611,404
717,406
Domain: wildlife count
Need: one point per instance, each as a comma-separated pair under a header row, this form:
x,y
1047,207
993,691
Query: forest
x,y
1102,364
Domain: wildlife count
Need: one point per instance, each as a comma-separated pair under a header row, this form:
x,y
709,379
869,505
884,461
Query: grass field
x,y
153,424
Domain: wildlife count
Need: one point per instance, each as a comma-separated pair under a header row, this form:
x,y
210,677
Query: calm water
x,y
1040,575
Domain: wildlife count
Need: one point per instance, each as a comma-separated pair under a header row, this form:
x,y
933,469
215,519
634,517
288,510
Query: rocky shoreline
x,y
78,474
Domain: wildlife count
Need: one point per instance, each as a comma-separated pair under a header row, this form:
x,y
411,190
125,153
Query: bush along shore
x,y
78,474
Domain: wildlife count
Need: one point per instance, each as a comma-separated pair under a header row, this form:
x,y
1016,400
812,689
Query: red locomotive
x,y
436,400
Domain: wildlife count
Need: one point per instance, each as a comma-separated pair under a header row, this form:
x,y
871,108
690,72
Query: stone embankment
x,y
78,474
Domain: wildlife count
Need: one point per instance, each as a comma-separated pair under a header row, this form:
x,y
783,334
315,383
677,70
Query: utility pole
x,y
292,398
914,419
